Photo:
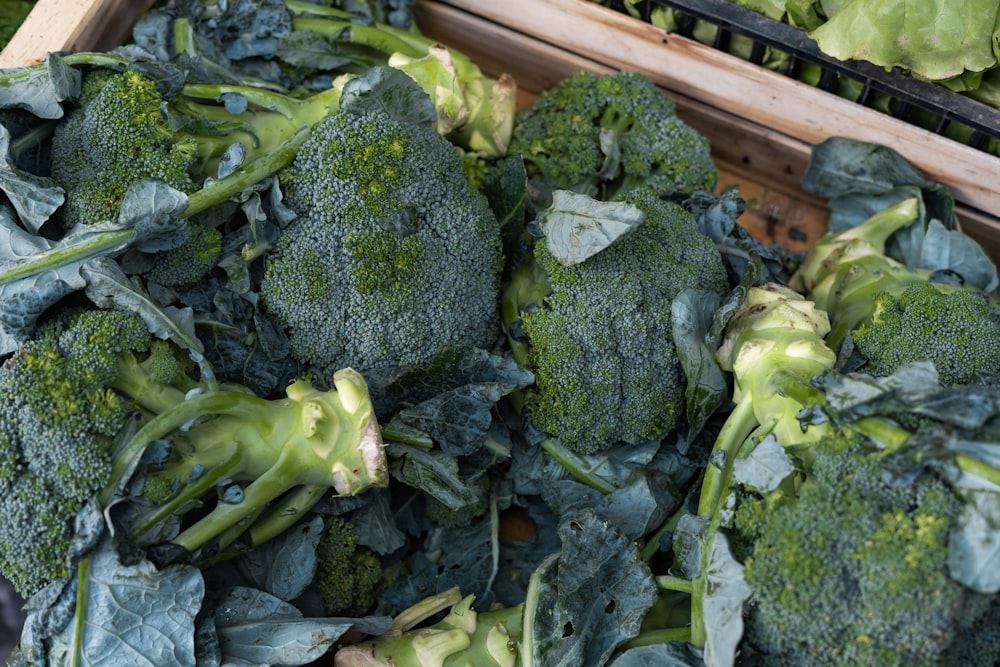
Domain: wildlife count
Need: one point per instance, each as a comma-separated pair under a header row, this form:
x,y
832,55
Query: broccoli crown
x,y
189,262
349,577
393,255
119,135
603,135
601,344
951,328
58,421
854,570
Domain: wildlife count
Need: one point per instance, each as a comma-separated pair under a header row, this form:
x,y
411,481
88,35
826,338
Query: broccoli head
x,y
853,571
392,257
599,333
604,135
950,327
58,421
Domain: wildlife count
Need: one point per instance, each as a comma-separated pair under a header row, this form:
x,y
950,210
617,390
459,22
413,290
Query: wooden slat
x,y
741,88
72,25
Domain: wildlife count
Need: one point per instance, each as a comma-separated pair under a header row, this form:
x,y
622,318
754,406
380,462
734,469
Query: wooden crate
x,y
761,124
72,25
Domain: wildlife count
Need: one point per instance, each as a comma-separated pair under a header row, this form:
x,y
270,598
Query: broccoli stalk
x,y
464,636
313,439
475,111
774,347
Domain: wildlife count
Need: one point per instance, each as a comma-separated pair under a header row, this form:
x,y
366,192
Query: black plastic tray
x,y
920,103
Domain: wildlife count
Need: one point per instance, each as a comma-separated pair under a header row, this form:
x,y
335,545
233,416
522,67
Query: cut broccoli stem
x,y
272,483
212,403
230,459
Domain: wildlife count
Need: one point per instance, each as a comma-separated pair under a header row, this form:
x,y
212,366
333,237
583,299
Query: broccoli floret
x,y
392,257
349,577
951,328
599,333
117,137
853,571
74,396
604,135
189,262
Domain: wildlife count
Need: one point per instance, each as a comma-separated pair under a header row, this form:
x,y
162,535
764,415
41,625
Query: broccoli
x,y
854,570
349,577
597,335
393,256
952,328
462,637
604,135
92,390
128,135
126,129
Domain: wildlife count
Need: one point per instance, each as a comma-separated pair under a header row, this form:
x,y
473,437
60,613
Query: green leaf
x,y
974,544
592,598
389,91
765,467
35,198
108,287
40,89
932,39
577,227
255,628
131,615
692,314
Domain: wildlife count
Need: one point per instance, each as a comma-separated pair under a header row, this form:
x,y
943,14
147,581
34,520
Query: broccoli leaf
x,y
578,226
283,567
670,654
692,315
108,286
974,545
255,628
389,91
765,467
34,197
39,89
131,614
591,598
725,594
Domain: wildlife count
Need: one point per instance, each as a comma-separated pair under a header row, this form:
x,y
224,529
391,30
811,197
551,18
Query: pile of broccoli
x,y
278,256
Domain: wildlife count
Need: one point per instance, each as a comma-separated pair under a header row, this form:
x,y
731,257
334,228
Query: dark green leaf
x,y
389,91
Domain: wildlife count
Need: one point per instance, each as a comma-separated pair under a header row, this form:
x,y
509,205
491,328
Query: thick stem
x,y
191,409
738,426
191,490
283,514
278,479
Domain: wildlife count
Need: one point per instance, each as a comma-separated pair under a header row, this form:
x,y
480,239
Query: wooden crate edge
x,y
72,25
742,88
